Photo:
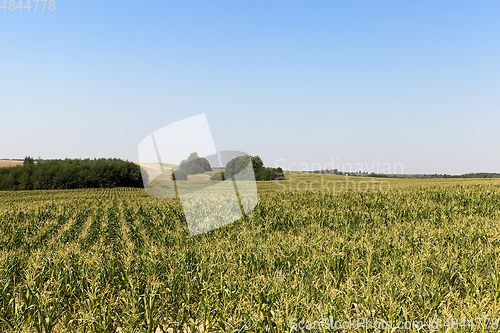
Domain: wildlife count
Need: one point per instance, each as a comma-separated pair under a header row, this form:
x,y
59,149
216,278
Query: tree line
x,y
382,175
237,166
70,174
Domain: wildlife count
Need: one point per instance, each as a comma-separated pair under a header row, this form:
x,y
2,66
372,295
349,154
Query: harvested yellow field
x,y
8,163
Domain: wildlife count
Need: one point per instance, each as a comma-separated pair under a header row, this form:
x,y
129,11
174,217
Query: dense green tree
x,y
257,164
236,166
268,174
28,160
7,181
193,157
23,181
195,164
63,174
280,175
218,176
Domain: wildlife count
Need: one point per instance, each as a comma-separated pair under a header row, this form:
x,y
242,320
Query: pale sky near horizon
x,y
300,83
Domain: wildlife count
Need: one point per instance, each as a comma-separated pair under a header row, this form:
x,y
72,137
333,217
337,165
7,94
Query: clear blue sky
x,y
411,82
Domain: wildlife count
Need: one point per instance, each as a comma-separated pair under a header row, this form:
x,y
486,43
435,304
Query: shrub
x,y
236,166
195,164
218,176
270,174
240,163
179,174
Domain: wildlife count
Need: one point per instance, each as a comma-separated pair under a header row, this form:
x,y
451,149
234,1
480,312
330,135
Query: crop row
x,y
120,261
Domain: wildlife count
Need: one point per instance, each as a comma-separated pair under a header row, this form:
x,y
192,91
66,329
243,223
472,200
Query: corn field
x,y
116,260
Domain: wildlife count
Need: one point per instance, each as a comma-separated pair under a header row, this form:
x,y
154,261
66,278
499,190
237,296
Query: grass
x,y
117,260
